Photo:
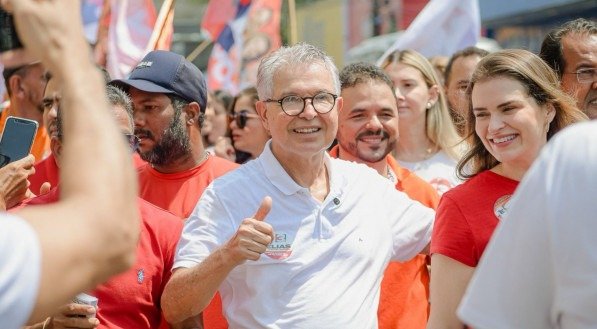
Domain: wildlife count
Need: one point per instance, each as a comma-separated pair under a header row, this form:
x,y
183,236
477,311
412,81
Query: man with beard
x,y
571,50
25,87
367,132
169,100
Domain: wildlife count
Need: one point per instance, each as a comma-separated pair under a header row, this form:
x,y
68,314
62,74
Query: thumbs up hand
x,y
252,237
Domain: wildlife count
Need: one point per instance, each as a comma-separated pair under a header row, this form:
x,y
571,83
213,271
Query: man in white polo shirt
x,y
327,228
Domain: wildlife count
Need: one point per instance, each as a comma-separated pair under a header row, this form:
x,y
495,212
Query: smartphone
x,y
8,34
17,139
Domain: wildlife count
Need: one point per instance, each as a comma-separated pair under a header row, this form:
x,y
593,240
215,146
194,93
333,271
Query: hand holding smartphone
x,y
17,139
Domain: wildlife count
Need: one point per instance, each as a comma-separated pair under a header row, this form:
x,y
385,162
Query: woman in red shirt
x,y
515,107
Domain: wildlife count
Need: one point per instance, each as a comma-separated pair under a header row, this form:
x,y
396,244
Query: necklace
x,y
203,158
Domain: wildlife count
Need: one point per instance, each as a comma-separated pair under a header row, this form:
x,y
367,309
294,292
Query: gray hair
x,y
298,55
118,97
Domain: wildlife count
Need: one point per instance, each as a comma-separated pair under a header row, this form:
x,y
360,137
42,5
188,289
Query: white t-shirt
x,y
540,269
20,261
324,267
439,171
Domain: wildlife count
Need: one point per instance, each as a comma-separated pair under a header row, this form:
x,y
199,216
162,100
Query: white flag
x,y
441,28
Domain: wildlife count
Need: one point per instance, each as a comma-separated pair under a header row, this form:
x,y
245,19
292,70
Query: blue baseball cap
x,y
167,73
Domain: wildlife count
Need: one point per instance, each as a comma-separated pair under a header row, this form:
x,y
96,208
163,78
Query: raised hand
x,y
252,237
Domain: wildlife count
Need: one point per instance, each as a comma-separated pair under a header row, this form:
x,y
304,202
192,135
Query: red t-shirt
x,y
132,299
47,171
468,214
179,194
404,295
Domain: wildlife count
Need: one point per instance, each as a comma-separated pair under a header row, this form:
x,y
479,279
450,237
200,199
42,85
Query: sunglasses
x,y
241,117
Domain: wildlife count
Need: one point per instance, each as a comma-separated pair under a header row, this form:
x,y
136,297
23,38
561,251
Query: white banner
x,y
441,28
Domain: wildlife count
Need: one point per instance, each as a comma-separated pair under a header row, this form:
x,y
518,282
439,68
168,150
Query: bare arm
x,y
190,290
449,279
91,233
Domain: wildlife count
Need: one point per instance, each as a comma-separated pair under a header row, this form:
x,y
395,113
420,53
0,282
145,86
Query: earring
x,y
429,105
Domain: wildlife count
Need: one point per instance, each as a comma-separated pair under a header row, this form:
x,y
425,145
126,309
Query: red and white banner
x,y
130,28
252,30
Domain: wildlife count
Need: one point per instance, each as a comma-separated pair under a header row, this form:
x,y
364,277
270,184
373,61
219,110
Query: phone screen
x,y
17,139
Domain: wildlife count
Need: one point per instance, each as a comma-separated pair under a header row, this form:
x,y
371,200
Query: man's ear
x,y
192,112
261,109
14,83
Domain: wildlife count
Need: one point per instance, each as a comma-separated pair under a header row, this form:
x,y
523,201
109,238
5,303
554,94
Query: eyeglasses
x,y
585,75
241,117
132,141
294,105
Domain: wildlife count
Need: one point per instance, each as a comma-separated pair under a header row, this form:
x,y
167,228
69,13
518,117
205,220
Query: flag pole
x,y
198,50
292,20
160,22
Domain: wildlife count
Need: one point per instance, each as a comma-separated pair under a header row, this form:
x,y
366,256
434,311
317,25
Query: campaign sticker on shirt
x,y
281,247
500,207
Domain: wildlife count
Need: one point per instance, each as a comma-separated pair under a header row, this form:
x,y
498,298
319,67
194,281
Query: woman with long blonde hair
x,y
428,143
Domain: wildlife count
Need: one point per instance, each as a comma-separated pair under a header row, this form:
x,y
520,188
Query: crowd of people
x,y
365,197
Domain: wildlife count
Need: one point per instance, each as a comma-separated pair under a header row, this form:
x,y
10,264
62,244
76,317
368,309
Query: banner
x,y
223,67
261,36
252,31
130,28
441,28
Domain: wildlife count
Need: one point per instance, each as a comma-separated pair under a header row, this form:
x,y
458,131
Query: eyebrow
x,y
504,104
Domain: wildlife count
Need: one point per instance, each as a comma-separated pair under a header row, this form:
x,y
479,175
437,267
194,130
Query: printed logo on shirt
x,y
500,207
140,276
281,246
441,185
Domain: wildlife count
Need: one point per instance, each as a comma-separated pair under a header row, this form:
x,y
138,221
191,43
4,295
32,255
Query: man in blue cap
x,y
169,97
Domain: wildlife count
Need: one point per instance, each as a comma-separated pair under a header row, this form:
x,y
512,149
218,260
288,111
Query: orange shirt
x,y
41,144
403,301
179,194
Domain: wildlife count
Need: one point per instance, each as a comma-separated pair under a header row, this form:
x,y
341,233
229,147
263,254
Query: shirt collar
x,y
276,174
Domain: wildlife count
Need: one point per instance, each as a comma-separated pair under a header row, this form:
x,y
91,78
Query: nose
x,y
495,123
309,111
138,119
374,123
399,94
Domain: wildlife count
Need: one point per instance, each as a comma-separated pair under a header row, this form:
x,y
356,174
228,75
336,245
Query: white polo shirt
x,y
20,266
324,268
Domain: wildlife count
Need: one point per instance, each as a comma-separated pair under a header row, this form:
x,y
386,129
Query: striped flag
x,y
223,68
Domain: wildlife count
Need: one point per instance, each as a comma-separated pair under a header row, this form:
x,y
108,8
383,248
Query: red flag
x,y
240,44
223,68
218,14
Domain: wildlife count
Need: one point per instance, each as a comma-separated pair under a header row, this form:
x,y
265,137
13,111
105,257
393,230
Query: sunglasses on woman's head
x,y
241,118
